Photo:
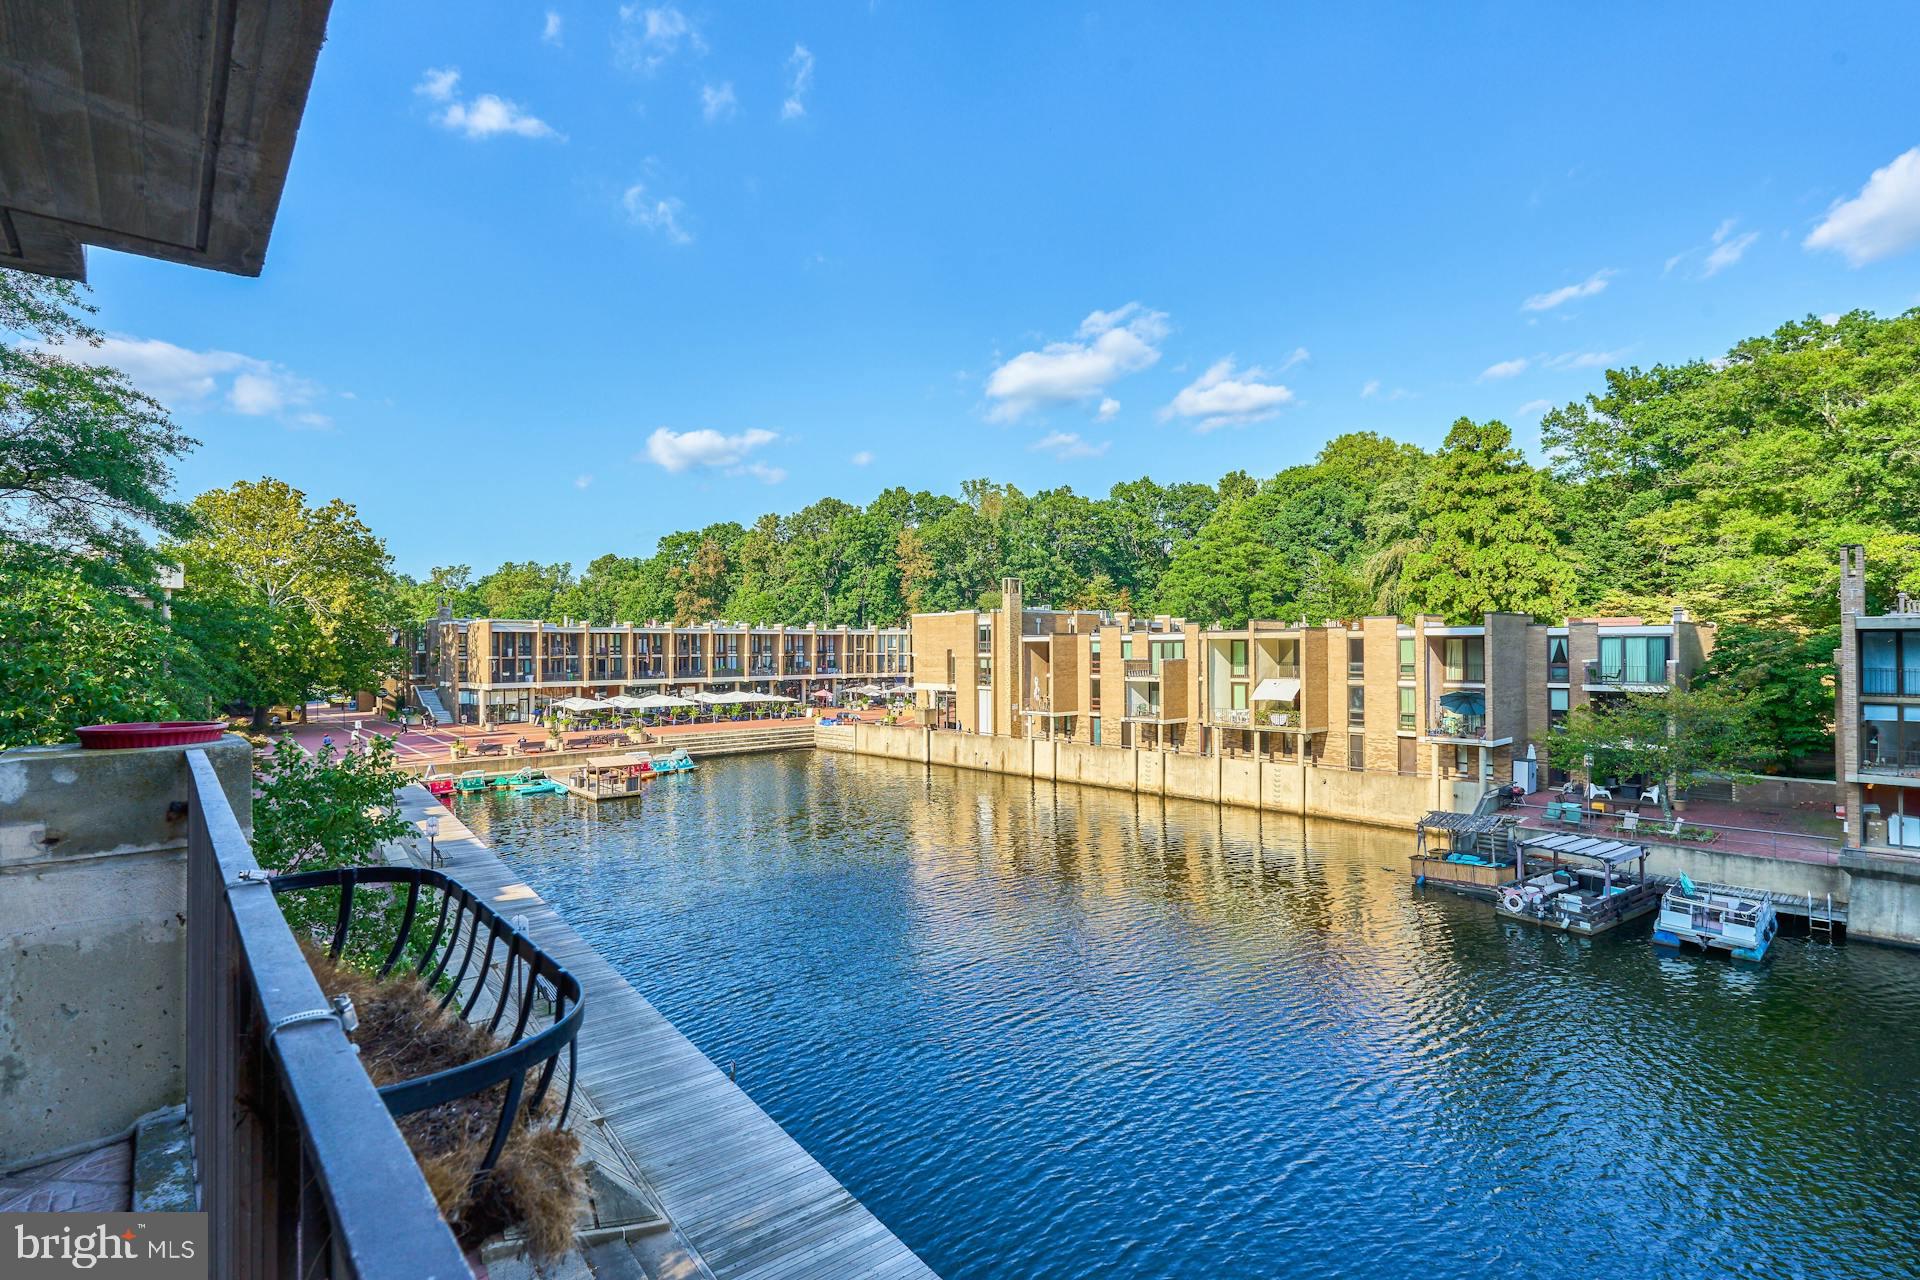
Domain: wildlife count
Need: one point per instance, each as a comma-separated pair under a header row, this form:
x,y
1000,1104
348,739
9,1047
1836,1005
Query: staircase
x,y
429,700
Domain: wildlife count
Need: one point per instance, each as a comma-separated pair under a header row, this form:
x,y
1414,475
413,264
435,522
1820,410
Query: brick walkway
x,y
99,1181
1797,834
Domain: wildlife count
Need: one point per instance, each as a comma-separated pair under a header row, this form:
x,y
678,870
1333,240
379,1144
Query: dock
x,y
739,1191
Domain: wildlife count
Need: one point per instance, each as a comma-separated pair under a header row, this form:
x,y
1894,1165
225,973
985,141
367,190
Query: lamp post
x,y
433,836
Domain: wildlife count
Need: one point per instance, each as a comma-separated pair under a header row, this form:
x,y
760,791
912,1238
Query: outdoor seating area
x,y
1806,833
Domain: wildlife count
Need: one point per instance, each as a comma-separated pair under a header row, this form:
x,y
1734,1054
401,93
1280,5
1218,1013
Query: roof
x,y
1569,844
615,762
163,129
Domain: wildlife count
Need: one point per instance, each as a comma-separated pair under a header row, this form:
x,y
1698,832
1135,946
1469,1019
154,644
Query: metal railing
x,y
1890,748
302,1171
1601,671
1891,681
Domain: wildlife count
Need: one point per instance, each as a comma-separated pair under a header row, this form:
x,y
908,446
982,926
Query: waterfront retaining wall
x,y
93,901
1380,799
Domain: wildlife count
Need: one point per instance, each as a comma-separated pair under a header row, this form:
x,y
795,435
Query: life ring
x,y
1511,900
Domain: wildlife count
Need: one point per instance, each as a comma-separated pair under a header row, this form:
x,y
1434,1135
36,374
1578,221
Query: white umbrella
x,y
581,704
627,702
774,697
660,702
714,699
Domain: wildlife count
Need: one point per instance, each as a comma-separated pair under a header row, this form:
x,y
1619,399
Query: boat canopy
x,y
1567,844
1277,689
615,762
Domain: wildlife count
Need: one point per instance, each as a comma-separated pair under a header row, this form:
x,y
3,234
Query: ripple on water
x,y
1059,1032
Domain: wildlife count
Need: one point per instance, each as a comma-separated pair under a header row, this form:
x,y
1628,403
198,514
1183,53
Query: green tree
x,y
316,813
311,587
1679,737
1786,677
79,654
85,459
1487,531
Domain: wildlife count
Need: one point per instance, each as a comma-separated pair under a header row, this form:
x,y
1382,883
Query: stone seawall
x,y
1379,799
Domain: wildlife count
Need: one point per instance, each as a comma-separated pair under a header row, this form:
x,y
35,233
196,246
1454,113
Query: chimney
x,y
1853,579
1679,613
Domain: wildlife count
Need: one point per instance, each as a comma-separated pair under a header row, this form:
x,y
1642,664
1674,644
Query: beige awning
x,y
613,762
1277,689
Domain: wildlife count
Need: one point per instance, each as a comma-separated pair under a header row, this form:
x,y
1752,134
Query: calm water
x,y
1057,1032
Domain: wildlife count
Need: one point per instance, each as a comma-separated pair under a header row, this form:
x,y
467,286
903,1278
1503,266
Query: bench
x,y
489,748
1569,813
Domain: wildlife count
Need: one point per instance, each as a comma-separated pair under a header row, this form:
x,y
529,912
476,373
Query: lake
x,y
1048,1032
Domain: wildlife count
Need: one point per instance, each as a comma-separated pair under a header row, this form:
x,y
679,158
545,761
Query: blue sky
x,y
638,268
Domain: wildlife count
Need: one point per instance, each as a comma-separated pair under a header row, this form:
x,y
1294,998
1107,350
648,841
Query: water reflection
x,y
1051,1032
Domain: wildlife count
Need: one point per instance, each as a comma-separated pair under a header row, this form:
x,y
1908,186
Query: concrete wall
x,y
1390,800
93,920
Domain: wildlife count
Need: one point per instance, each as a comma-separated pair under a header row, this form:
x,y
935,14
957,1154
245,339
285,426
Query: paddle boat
x,y
473,780
1716,919
540,787
1582,884
675,761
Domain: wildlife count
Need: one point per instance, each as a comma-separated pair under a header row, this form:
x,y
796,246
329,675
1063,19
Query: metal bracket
x,y
341,1010
249,875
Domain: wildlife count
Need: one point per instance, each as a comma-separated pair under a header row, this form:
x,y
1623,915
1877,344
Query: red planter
x,y
150,733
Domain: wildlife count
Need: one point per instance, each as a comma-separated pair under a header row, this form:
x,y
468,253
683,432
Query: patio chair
x,y
1629,823
1650,795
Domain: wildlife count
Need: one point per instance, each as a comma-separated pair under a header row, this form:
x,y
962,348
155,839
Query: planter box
x,y
150,733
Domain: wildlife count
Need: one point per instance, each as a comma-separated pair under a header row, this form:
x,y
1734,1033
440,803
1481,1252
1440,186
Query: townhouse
x,y
1471,703
1877,714
502,670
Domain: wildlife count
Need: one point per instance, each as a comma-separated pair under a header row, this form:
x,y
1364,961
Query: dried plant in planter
x,y
536,1185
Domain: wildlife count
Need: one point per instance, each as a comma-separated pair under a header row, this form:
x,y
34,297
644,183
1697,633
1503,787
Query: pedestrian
x,y
326,742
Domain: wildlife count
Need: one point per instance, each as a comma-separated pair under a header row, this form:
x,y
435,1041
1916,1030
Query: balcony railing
x,y
763,667
1889,681
688,668
302,1171
1600,671
609,669
1234,717
568,669
1139,668
1890,748
511,671
1446,723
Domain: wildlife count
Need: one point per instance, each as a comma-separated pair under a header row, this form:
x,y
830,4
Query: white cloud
x,y
1584,359
717,101
1727,247
1371,389
676,451
582,480
862,458
760,471
551,32
1108,407
1300,355
1533,408
485,116
1505,369
1568,293
1113,344
1065,445
656,214
800,66
1884,219
1830,319
438,83
1224,397
649,36
185,379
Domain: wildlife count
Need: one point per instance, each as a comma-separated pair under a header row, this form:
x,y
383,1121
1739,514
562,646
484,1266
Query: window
x,y
983,640
951,673
1357,705
1356,751
1556,659
1557,703
1237,697
1356,656
1633,659
1408,763
1126,648
1161,650
1409,708
1406,657
1466,658
1237,657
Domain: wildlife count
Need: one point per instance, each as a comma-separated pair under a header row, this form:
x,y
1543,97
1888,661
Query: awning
x,y
1572,845
615,762
1277,689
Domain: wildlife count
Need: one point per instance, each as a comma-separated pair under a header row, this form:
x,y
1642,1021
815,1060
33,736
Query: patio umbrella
x,y
1468,702
627,702
824,695
581,704
660,702
715,699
